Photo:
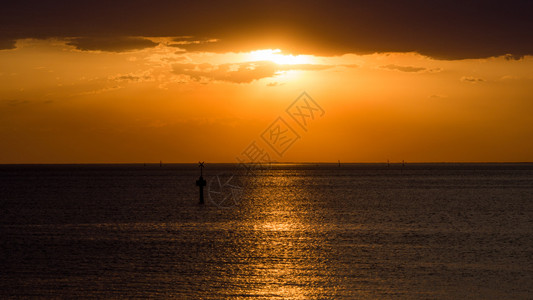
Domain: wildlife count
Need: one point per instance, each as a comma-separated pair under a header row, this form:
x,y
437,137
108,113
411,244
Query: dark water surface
x,y
359,231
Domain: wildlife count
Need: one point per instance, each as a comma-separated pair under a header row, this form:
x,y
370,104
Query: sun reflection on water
x,y
286,264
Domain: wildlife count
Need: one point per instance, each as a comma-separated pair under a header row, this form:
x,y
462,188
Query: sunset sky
x,y
182,81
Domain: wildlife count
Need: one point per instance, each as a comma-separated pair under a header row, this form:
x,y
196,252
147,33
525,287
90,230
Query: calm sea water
x,y
359,231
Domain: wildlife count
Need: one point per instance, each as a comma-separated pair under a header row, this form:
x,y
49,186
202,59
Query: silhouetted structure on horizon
x,y
201,182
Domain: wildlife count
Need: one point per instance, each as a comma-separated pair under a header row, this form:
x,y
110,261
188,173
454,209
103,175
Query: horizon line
x,y
275,163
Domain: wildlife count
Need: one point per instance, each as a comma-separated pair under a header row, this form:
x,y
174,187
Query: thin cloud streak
x,y
239,72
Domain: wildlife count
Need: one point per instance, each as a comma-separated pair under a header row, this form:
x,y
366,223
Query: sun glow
x,y
275,56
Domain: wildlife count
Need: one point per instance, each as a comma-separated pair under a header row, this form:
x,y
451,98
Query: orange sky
x,y
60,104
183,81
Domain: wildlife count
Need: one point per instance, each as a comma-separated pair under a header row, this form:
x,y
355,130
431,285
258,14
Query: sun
x,y
275,56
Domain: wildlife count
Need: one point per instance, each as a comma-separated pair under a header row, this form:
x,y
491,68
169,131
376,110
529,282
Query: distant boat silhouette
x,y
339,162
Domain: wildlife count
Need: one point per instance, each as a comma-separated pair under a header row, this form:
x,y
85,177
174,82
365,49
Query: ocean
x,y
295,231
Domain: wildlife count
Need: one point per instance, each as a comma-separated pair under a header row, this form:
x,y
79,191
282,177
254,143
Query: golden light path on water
x,y
289,264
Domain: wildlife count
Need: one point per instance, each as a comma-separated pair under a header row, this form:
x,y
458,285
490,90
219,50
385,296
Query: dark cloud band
x,y
441,29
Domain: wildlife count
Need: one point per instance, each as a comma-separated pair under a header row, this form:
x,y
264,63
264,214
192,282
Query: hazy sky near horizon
x,y
142,81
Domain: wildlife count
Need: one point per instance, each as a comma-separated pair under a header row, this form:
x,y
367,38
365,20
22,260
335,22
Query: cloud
x,y
438,96
274,83
188,42
404,68
15,102
440,29
239,72
7,44
434,70
111,44
471,79
132,77
97,91
513,57
509,77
